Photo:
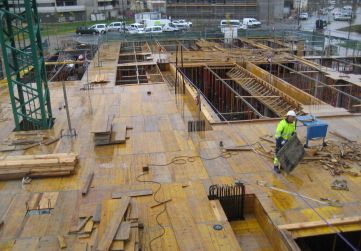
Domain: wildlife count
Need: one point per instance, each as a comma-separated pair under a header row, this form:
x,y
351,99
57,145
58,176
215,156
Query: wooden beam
x,y
97,213
87,184
132,193
311,224
112,228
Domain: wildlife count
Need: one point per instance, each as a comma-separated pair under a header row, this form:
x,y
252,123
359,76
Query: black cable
x,y
178,160
160,213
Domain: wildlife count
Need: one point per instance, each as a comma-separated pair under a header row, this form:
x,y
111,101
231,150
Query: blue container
x,y
315,128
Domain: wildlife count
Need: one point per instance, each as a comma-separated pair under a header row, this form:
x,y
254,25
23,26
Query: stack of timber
x,y
47,165
109,133
100,79
26,140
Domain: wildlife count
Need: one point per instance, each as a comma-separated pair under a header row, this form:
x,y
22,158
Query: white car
x,y
153,29
182,24
170,27
303,16
116,26
182,21
342,17
130,30
101,28
251,22
137,26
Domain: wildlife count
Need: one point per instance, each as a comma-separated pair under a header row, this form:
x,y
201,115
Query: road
x,y
309,25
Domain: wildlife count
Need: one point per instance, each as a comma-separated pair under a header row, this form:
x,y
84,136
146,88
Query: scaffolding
x,y
23,53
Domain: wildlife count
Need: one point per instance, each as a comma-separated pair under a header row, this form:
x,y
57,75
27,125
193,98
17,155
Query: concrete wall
x,y
270,10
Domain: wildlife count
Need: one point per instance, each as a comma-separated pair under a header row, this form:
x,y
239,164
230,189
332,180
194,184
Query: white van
x,y
234,23
137,26
153,29
116,26
251,22
157,22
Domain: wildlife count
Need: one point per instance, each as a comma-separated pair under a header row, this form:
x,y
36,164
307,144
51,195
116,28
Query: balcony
x,y
70,8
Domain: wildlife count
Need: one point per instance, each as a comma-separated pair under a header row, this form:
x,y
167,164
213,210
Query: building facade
x,y
265,10
81,10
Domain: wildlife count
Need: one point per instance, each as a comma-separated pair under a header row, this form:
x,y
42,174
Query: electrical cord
x,y
156,200
178,160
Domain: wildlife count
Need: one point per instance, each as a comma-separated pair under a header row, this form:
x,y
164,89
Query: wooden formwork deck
x,y
159,133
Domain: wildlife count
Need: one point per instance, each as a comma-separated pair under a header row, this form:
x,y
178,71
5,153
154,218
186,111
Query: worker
x,y
285,129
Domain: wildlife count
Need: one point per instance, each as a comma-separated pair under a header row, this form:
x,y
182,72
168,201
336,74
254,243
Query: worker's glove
x,y
283,142
279,142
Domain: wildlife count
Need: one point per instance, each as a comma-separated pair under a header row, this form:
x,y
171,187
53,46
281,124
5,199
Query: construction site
x,y
168,143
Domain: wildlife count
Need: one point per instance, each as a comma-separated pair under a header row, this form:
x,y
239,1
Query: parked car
x,y
170,27
116,26
101,28
234,23
153,29
130,30
303,16
183,22
86,30
342,17
138,27
251,22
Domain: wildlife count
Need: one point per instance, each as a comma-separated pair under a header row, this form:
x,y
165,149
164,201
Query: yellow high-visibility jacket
x,y
285,129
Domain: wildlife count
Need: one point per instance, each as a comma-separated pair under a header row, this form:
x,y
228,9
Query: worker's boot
x,y
276,169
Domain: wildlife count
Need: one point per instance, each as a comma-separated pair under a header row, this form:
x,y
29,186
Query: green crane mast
x,y
23,58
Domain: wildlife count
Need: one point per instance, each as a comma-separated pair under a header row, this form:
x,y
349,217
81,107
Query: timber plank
x,y
112,228
123,231
311,224
87,183
132,193
97,213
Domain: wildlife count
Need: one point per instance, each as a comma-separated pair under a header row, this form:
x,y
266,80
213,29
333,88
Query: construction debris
x,y
47,165
339,185
323,201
